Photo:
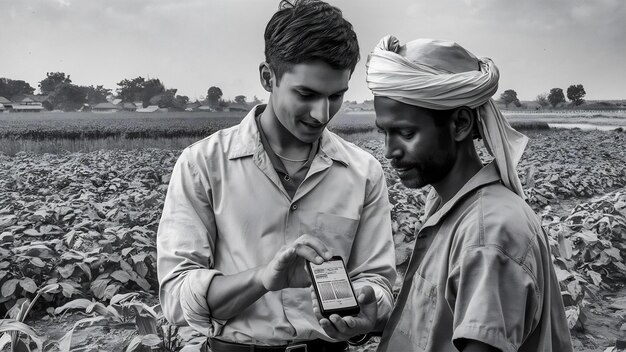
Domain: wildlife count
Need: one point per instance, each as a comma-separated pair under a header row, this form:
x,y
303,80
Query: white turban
x,y
441,75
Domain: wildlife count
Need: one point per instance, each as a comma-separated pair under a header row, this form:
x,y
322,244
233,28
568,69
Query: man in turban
x,y
481,276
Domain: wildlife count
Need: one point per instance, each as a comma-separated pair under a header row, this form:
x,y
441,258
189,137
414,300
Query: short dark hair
x,y
308,30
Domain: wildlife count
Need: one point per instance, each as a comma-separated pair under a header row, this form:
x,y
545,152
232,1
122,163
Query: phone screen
x,y
333,287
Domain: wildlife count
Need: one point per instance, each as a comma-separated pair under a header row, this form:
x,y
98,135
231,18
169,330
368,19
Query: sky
x,y
194,44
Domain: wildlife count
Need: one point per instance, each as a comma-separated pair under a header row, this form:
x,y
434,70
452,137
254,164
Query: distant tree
x,y
240,99
257,101
542,99
576,93
151,88
10,88
68,97
139,89
556,97
182,100
510,96
96,95
52,80
214,95
130,89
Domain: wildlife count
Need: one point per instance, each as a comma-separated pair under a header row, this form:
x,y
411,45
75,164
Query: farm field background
x,y
81,196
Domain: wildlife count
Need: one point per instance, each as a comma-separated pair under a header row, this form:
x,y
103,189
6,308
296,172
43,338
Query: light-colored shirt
x,y
485,274
226,212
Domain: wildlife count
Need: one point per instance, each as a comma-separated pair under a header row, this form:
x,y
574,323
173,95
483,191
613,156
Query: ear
x,y
266,76
463,123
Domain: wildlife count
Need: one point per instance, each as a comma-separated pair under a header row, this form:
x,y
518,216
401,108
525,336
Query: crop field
x,y
81,197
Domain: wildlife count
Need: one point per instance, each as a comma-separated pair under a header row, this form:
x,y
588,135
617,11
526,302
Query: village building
x,y
106,107
28,103
5,104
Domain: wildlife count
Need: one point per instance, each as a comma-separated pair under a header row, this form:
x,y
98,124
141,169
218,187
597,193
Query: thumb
x,y
366,295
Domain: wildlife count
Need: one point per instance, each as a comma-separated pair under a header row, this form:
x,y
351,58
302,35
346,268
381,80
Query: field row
x,y
85,223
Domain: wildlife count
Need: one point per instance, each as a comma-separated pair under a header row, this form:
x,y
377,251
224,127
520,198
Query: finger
x,y
350,322
316,244
316,308
339,323
285,258
308,253
329,328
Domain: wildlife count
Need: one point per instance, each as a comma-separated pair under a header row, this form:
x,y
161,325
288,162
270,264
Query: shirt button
x,y
294,206
287,178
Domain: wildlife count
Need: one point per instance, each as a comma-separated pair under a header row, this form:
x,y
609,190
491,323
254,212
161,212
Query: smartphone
x,y
333,289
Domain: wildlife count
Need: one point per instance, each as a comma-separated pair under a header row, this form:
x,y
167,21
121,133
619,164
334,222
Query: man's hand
x,y
287,268
343,328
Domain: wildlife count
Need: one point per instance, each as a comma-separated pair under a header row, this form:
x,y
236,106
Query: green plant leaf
x,y
32,232
595,277
37,262
7,325
65,343
28,284
151,340
134,344
79,303
98,287
4,340
121,298
9,287
121,276
66,270
571,313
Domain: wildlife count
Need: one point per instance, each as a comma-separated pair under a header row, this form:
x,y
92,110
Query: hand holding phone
x,y
333,288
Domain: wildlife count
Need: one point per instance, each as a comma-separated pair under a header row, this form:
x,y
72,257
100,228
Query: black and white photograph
x,y
312,176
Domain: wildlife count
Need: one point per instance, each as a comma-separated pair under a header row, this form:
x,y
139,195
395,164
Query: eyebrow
x,y
309,90
396,126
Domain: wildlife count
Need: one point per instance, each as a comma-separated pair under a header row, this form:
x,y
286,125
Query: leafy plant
x,y
15,331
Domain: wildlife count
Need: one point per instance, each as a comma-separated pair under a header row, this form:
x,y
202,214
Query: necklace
x,y
292,160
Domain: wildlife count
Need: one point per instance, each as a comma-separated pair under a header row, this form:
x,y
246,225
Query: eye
x,y
407,134
305,95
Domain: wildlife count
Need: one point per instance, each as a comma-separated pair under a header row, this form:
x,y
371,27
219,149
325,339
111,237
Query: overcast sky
x,y
194,44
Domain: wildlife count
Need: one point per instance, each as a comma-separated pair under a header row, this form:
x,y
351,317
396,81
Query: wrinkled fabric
x,y
429,86
226,211
481,270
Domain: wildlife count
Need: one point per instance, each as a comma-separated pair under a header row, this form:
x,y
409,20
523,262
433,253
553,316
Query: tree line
x,y
575,93
62,94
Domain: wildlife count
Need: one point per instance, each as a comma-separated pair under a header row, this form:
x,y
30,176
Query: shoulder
x,y
499,219
214,147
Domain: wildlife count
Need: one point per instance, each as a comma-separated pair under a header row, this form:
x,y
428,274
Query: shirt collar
x,y
248,140
487,175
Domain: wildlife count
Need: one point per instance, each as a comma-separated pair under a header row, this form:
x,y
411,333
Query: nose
x,y
320,110
392,150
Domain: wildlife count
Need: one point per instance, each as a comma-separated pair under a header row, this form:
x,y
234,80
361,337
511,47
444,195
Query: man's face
x,y
307,97
421,152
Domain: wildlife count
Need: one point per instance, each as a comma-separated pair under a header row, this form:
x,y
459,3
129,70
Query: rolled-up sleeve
x,y
185,249
372,260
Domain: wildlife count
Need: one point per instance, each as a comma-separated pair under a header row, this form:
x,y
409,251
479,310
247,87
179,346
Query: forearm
x,y
229,295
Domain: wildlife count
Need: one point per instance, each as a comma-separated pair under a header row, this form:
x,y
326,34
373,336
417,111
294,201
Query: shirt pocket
x,y
336,232
416,321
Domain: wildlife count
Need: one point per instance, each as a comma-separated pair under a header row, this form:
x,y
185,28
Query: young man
x,y
481,276
248,205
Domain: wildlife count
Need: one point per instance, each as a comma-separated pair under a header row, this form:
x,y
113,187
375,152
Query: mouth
x,y
313,125
402,171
